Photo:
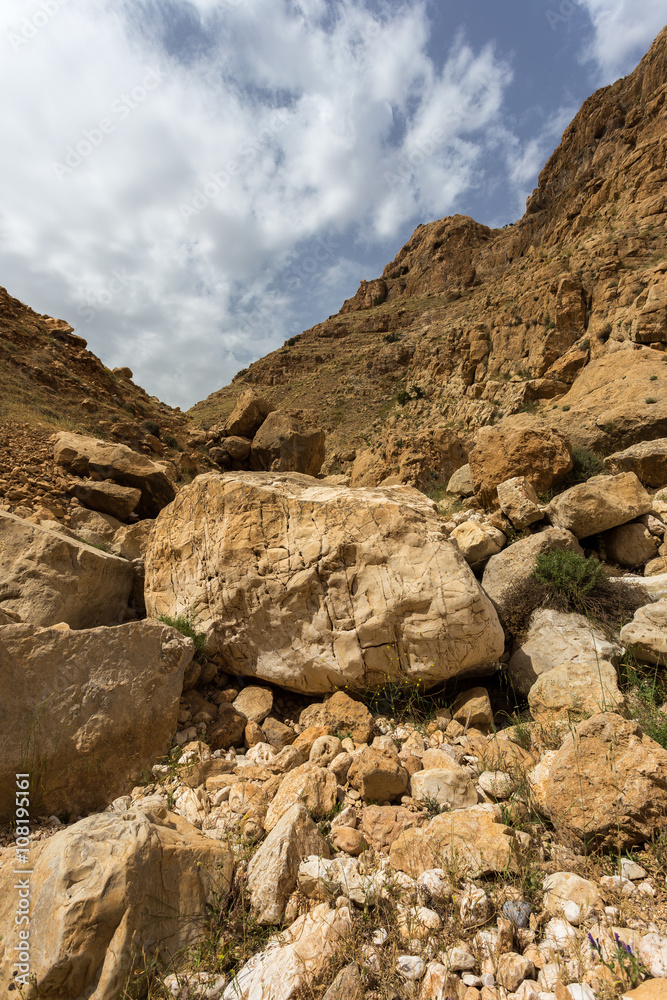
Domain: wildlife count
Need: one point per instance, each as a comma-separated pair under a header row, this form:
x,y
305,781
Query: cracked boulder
x,y
315,587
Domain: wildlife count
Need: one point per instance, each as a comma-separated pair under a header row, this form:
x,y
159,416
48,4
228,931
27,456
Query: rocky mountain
x,y
562,314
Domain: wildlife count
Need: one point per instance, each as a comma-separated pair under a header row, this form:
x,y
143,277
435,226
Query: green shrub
x,y
403,397
186,625
651,399
566,574
417,392
585,464
171,442
151,427
391,338
653,378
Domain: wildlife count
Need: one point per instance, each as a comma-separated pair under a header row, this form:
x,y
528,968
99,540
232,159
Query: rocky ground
x,y
380,712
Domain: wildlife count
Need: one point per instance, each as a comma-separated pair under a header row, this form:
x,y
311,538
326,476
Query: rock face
x,y
516,563
86,712
517,446
607,786
105,889
646,634
83,456
601,503
48,577
315,587
586,687
285,443
647,460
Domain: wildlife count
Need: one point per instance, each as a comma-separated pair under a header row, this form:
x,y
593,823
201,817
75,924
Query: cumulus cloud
x,y
622,31
185,177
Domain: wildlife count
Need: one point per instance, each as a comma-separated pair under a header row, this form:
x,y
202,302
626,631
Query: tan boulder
x,y
601,503
460,482
306,739
317,587
254,702
314,786
519,445
47,577
83,456
106,891
106,497
288,441
630,545
473,841
586,687
607,786
382,825
228,729
277,733
651,989
656,567
554,639
338,714
473,708
516,563
563,887
448,787
518,501
86,712
377,775
606,407
291,962
646,635
272,872
477,541
94,527
131,540
648,461
248,415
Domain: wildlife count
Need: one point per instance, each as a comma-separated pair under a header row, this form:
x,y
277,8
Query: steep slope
x,y
468,324
51,381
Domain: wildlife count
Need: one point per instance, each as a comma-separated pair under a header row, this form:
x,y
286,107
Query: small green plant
x,y
403,397
585,464
650,399
129,408
186,625
391,338
653,378
151,427
627,969
171,442
567,574
566,408
417,392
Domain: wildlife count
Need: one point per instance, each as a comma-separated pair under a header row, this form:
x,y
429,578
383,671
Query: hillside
x,y
468,324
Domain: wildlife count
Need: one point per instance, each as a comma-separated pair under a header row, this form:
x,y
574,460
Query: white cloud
x,y
623,31
172,163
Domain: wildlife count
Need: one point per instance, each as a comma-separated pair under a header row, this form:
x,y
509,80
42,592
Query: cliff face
x,y
468,324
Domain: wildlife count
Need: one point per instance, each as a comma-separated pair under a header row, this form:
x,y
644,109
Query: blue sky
x,y
190,183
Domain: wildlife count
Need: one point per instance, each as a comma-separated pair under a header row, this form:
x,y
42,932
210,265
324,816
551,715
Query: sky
x,y
191,182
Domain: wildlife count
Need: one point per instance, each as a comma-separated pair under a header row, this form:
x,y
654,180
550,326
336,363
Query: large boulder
x,y
86,712
341,714
630,545
648,461
518,445
607,785
248,415
646,635
106,497
555,638
606,407
288,441
601,503
104,894
48,577
83,456
316,587
586,687
516,563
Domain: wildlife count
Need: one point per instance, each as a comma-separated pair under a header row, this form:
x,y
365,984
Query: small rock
x,y
411,967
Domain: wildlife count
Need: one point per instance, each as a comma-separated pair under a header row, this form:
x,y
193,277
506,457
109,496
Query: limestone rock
x,y
272,872
377,775
601,503
382,825
449,787
254,702
47,577
293,960
287,443
105,890
519,502
86,712
554,639
83,456
228,730
460,483
630,545
648,461
339,714
108,498
473,708
646,634
477,541
131,540
314,786
563,887
518,445
516,563
656,567
586,687
473,839
248,415
317,587
607,785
